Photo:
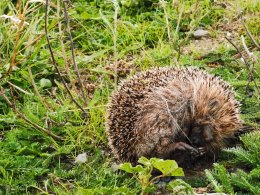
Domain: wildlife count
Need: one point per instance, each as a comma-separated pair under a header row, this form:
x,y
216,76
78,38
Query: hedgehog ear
x,y
213,103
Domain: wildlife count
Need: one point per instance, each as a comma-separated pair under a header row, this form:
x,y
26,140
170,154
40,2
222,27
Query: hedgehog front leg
x,y
182,152
166,148
186,155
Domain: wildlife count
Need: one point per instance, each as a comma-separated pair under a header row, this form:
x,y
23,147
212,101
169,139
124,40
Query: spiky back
x,y
133,108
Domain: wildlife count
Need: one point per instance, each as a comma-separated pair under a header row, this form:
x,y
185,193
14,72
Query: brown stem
x,y
32,43
13,62
73,53
115,41
157,177
251,75
55,63
248,32
18,35
64,55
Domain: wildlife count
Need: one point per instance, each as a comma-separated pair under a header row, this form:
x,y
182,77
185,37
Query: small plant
x,y
241,181
143,174
248,155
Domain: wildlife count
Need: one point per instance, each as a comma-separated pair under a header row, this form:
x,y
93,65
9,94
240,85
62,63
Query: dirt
x,y
201,47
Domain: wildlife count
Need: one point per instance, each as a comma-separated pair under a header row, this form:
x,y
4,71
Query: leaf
x,y
149,189
179,185
144,177
178,172
45,83
144,161
106,21
127,167
167,167
84,191
213,181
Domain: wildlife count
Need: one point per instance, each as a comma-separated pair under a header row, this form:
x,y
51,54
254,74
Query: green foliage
x,y
19,157
178,186
143,173
249,154
45,83
241,181
103,190
136,3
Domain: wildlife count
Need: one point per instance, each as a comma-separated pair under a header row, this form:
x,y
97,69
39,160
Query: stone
x,y
200,33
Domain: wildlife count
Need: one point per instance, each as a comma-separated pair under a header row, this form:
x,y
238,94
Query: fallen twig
x,y
18,88
22,116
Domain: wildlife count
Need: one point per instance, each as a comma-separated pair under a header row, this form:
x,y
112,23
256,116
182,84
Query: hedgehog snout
x,y
201,135
195,141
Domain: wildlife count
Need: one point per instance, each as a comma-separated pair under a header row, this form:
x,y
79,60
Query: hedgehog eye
x,y
196,130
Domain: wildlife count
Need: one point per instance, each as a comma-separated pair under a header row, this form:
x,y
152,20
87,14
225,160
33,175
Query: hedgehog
x,y
171,113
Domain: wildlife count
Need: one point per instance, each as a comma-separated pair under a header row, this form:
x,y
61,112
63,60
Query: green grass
x,y
32,162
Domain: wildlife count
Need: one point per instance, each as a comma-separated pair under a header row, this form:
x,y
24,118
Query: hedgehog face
x,y
201,135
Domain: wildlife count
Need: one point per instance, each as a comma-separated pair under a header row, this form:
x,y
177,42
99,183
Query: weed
x,y
243,181
143,174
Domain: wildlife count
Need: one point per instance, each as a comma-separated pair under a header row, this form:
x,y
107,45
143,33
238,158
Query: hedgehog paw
x,y
184,147
194,154
201,151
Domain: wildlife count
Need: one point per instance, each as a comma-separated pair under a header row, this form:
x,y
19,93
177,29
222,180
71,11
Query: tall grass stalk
x,y
116,8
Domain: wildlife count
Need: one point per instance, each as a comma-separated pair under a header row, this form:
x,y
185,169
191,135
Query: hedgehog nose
x,y
195,141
